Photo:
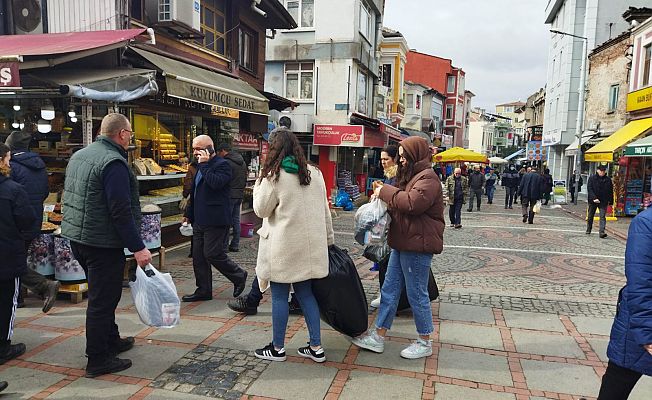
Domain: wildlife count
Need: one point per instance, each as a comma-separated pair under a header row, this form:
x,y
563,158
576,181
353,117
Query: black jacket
x,y
28,169
16,222
572,183
532,186
510,179
476,180
601,188
547,183
210,200
239,174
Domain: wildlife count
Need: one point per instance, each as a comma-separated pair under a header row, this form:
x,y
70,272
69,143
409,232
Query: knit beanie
x,y
19,140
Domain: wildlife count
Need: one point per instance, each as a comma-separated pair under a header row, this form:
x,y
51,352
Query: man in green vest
x,y
101,216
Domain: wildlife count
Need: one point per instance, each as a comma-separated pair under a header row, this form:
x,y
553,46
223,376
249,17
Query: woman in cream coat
x,y
297,229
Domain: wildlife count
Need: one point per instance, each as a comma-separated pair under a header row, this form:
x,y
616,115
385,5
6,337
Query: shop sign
x,y
162,98
639,99
215,97
535,133
245,141
390,131
447,141
536,151
264,151
638,151
338,135
225,112
374,138
552,137
9,75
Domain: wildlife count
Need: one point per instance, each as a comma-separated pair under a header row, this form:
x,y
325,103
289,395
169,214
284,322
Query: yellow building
x,y
393,57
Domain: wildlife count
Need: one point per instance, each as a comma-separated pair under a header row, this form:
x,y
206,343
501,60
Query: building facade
x,y
393,57
481,132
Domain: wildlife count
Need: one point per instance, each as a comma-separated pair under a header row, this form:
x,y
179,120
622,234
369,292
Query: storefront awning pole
x,y
87,117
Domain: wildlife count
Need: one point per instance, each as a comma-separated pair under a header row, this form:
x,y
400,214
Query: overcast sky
x,y
502,45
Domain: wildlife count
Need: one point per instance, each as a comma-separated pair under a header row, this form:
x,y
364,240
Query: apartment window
x,y
647,50
418,103
450,87
213,25
449,111
247,49
298,81
387,75
365,21
362,93
410,101
136,10
613,97
303,12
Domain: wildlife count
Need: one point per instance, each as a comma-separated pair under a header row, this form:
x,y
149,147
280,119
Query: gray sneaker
x,y
371,341
418,349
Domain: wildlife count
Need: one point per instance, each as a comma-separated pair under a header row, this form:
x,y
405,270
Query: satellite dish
x,y
26,14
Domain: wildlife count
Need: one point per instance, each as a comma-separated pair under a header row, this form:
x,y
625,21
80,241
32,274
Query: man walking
x,y
209,211
239,173
548,183
530,190
28,169
572,186
490,184
476,183
101,218
510,181
601,193
457,186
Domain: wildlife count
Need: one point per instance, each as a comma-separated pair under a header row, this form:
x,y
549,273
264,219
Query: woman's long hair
x,y
405,173
284,144
4,150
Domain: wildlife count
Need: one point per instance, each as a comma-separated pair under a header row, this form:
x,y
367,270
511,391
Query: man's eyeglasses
x,y
131,133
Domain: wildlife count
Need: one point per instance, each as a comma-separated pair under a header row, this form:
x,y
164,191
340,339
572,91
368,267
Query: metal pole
x,y
580,119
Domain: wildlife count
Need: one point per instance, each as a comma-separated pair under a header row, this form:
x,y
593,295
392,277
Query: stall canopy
x,y
604,151
571,150
640,148
119,84
458,154
188,82
497,160
515,154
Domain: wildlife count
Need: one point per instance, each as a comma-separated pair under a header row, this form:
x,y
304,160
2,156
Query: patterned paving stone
x,y
528,320
546,344
69,353
367,386
84,388
477,367
469,335
595,326
69,318
149,361
25,383
188,331
244,337
561,378
33,338
461,312
160,394
600,347
313,383
451,392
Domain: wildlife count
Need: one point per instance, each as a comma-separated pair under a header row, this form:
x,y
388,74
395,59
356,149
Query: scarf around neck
x,y
289,164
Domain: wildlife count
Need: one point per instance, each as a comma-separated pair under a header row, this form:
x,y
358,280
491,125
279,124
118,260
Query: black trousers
x,y
208,249
104,270
455,212
510,196
617,382
477,193
8,301
527,205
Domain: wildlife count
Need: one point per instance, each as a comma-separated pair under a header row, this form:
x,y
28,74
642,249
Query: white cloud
x,y
502,45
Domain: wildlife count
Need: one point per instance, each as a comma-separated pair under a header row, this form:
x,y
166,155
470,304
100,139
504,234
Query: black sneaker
x,y
50,296
233,249
269,353
316,356
3,385
109,367
14,351
240,305
603,235
122,345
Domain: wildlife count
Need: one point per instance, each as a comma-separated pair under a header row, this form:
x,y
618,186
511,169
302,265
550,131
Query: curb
x,y
583,218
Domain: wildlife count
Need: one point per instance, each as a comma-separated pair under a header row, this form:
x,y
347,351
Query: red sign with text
x,y
373,138
9,75
245,141
339,135
264,151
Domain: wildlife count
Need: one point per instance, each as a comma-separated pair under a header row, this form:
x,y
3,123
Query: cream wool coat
x,y
297,229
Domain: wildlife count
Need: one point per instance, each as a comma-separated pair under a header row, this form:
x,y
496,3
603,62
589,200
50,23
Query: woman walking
x,y
290,196
416,232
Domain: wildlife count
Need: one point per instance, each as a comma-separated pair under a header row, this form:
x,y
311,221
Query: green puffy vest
x,y
86,217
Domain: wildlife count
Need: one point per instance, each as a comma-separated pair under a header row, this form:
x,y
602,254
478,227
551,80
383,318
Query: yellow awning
x,y
458,154
604,151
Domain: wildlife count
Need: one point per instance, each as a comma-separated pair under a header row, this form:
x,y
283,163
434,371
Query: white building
x,y
598,21
481,132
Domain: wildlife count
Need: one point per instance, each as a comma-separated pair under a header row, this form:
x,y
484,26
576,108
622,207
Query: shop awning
x,y
279,103
458,154
119,84
603,151
515,154
640,148
571,150
192,83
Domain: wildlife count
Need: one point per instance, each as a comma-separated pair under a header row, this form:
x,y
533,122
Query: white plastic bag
x,y
155,297
537,207
186,229
371,222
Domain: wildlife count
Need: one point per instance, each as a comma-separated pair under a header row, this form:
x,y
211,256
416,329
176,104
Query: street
x,y
524,313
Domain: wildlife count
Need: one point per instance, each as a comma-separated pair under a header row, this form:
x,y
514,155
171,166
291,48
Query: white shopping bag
x,y
155,297
537,207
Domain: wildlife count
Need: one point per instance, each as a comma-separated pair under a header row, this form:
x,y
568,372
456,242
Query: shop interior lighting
x,y
73,119
43,126
15,124
71,112
47,111
16,106
21,126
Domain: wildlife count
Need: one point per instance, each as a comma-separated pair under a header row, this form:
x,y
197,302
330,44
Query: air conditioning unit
x,y
592,125
181,16
27,16
301,122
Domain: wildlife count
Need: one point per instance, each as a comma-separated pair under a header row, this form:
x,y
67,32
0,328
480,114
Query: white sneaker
x,y
418,349
371,341
375,303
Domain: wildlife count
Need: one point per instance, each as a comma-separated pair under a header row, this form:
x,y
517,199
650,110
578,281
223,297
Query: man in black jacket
x,y
476,183
239,174
510,181
531,190
209,211
28,169
601,193
572,186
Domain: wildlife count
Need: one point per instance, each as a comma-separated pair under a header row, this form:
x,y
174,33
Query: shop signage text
x,y
245,141
213,97
338,135
638,151
639,99
225,112
9,75
162,98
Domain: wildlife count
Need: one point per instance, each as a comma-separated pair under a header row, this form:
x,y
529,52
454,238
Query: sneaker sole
x,y
317,360
95,375
271,358
363,346
415,357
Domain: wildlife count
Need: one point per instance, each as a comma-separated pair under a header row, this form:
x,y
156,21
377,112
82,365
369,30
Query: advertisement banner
x,y
9,75
245,141
536,151
338,135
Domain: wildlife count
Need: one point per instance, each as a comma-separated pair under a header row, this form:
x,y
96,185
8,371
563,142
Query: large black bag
x,y
403,303
340,296
377,253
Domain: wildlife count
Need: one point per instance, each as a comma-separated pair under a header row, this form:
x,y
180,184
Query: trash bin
x,y
246,229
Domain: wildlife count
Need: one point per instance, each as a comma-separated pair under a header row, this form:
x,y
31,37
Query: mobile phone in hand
x,y
210,149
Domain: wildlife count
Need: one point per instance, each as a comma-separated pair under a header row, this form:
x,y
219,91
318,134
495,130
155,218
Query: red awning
x,y
60,43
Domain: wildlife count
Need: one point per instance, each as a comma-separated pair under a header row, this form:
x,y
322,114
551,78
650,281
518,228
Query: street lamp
x,y
580,118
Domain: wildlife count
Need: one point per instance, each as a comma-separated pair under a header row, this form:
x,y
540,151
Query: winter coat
x,y
210,201
16,223
297,229
490,178
189,179
476,180
632,326
239,174
450,187
572,183
532,186
417,210
511,179
547,183
601,188
29,170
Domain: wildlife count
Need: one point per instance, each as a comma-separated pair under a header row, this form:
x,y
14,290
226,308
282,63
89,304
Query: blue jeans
x,y
490,193
281,310
410,270
235,224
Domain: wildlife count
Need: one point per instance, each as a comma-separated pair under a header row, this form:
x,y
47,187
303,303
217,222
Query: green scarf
x,y
289,164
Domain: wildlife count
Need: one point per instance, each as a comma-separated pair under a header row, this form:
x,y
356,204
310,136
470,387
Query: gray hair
x,y
113,123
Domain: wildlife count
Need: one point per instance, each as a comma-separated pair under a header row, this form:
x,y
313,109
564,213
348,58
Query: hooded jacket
x,y
239,174
511,178
29,170
417,210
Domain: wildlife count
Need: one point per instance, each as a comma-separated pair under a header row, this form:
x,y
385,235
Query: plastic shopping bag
x,y
377,253
371,222
155,297
537,207
343,200
340,296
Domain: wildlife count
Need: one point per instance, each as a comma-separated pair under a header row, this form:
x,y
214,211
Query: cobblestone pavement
x,y
524,313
